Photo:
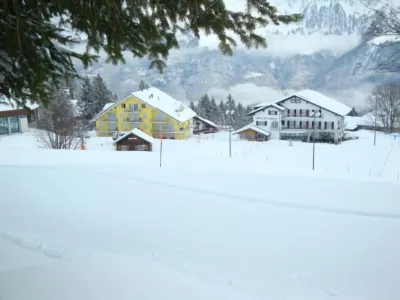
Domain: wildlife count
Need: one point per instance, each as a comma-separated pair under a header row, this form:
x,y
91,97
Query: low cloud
x,y
249,93
289,44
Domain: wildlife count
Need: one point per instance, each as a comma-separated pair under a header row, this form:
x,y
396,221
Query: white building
x,y
302,116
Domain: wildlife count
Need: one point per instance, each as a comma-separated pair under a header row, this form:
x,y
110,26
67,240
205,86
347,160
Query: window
x,y
135,107
326,125
300,124
294,112
123,105
307,125
274,125
295,100
3,126
143,105
333,125
307,112
272,112
319,124
265,123
283,123
294,124
258,123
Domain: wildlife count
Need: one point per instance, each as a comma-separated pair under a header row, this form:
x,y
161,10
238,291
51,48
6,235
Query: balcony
x,y
131,111
308,128
304,115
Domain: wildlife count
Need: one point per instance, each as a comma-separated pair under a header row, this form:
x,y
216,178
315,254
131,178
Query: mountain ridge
x,y
324,52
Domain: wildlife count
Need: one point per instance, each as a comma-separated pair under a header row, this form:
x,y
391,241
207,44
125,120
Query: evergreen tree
x,y
85,100
100,95
214,112
249,119
353,112
240,116
193,106
231,107
204,107
222,113
33,44
143,85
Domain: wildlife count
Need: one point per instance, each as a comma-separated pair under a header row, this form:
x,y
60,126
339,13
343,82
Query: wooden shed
x,y
135,140
253,133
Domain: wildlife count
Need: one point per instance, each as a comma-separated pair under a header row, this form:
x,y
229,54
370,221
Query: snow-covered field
x,y
101,224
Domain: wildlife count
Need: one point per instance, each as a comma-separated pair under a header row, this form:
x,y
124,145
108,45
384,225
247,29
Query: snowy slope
x,y
114,224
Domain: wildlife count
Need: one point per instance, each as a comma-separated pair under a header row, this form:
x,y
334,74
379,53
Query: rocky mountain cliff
x,y
322,52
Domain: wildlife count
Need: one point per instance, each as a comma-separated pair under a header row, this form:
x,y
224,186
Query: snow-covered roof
x,y
366,120
252,127
207,121
138,133
12,105
107,105
160,100
369,120
266,105
170,106
323,101
352,122
383,39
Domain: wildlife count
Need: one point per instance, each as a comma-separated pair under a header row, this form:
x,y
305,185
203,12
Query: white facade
x,y
298,118
269,119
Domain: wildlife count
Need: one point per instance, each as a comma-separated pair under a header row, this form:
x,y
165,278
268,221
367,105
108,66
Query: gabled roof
x,y
322,101
312,97
207,121
138,133
160,100
107,105
266,105
252,127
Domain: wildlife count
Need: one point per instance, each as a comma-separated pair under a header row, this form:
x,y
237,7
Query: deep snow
x,y
99,224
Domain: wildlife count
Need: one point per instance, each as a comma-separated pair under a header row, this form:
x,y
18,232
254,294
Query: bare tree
x,y
386,27
57,127
384,104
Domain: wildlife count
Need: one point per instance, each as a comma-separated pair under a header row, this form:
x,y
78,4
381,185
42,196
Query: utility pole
x,y
230,112
313,149
376,117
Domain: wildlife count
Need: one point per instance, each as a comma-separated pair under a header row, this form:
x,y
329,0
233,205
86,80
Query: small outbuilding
x,y
134,140
252,133
202,125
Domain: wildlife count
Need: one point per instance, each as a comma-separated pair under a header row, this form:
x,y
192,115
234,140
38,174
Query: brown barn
x,y
253,133
135,140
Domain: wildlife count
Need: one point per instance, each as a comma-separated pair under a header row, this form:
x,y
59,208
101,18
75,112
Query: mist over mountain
x,y
324,52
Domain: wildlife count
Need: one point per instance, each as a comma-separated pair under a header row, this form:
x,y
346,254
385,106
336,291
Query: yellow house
x,y
150,110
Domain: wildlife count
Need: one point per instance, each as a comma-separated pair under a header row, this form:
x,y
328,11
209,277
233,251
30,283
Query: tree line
x,y
225,113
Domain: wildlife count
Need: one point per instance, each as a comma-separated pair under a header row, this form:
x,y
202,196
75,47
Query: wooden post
x,y
161,150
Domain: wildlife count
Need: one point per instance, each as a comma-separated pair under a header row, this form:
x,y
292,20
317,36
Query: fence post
x,y
348,169
398,176
370,171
